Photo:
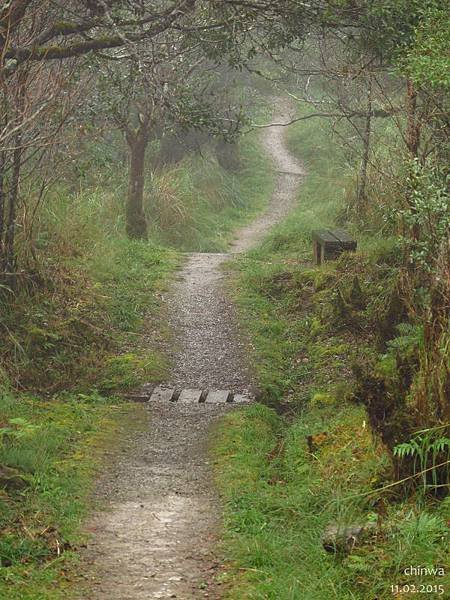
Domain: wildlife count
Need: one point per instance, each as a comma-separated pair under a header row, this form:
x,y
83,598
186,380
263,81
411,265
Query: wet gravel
x,y
158,535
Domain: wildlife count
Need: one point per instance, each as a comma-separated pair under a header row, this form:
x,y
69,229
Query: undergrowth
x,y
52,450
281,495
196,206
84,325
287,480
79,328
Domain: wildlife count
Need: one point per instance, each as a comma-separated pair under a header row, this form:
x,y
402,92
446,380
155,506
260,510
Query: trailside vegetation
x,y
87,331
341,484
120,127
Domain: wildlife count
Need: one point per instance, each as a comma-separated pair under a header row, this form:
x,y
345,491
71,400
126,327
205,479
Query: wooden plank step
x,y
193,396
241,399
162,393
189,396
218,397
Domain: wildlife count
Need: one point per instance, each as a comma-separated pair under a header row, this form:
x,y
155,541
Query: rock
x,y
339,539
11,479
241,399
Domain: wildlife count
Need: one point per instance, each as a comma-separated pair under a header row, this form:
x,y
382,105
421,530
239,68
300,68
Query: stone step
x,y
241,399
192,396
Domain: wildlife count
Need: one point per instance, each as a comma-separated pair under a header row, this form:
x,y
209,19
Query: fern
x,y
409,339
427,444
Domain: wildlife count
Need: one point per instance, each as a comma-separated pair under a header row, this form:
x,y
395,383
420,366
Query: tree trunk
x,y
412,127
3,168
13,188
2,203
412,139
136,224
10,257
366,137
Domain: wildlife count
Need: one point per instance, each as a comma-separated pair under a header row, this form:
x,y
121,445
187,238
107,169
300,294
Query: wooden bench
x,y
328,244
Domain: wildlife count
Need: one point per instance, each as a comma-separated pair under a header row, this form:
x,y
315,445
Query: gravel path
x,y
158,536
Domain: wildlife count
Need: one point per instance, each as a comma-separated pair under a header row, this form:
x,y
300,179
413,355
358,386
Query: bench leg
x,y
316,252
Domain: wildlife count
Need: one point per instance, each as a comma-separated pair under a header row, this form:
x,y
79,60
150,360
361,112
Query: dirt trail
x,y
158,536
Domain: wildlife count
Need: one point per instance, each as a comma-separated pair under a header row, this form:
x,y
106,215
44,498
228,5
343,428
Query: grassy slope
x,y
196,206
77,337
281,492
57,447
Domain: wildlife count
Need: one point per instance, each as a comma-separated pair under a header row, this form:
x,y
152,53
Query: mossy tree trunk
x,y
136,223
412,139
413,125
10,234
2,201
10,193
3,167
366,139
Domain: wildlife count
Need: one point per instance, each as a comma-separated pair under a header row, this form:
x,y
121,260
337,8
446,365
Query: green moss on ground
x,y
286,478
57,446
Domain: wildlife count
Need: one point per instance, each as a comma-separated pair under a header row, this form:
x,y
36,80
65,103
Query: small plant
x,y
17,428
428,446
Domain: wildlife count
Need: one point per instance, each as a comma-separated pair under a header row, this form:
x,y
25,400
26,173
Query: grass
x,y
283,257
196,206
81,327
56,447
280,497
285,479
84,327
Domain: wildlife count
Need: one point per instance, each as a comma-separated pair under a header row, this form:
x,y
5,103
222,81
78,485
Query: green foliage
x,y
127,371
17,428
68,330
428,449
425,220
387,28
56,445
279,500
196,205
427,61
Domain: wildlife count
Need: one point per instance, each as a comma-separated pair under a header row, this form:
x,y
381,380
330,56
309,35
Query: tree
x,y
158,88
55,31
33,109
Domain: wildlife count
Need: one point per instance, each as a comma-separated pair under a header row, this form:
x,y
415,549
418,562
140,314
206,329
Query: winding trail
x,y
157,538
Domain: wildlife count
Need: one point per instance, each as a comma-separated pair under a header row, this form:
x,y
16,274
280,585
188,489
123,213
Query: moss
x,y
394,313
322,400
316,327
323,279
65,27
129,370
356,296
